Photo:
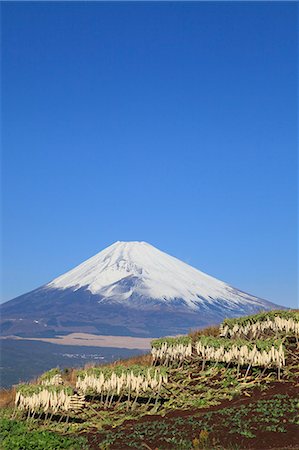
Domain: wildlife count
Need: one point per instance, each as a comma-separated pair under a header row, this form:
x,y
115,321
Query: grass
x,y
208,331
7,397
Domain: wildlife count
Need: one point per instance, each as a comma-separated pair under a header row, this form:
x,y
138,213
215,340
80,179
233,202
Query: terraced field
x,y
210,390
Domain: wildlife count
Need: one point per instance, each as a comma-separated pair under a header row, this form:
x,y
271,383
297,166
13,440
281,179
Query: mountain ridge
x,y
143,269
129,287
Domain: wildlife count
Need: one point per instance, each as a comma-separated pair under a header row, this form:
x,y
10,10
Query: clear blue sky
x,y
172,123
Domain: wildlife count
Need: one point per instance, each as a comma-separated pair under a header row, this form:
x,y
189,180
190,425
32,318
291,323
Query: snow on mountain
x,y
127,269
128,289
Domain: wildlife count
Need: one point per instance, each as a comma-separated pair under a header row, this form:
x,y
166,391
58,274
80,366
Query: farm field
x,y
94,340
233,387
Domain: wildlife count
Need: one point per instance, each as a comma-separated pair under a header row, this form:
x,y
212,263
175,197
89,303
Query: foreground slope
x,y
130,288
201,404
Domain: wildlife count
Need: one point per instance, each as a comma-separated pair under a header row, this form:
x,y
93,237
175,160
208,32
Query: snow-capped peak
x,y
127,268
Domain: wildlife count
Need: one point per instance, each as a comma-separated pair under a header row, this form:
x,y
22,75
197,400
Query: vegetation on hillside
x,y
208,390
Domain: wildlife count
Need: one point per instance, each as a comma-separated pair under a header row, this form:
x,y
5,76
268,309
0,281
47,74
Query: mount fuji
x,y
128,289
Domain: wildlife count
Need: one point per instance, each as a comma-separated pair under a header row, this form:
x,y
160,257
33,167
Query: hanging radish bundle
x,y
272,322
169,351
38,398
259,353
117,381
51,378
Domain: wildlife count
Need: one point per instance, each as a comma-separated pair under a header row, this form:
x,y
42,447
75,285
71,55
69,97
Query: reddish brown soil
x,y
264,440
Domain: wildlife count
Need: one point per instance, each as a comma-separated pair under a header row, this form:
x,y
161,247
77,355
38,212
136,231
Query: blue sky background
x,y
172,123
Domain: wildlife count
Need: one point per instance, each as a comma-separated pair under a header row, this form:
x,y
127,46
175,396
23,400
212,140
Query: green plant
x,y
16,435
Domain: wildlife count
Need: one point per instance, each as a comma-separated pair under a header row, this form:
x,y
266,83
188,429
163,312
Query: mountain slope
x,y
130,288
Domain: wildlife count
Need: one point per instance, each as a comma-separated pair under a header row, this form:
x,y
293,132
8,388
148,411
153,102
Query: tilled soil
x,y
220,436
